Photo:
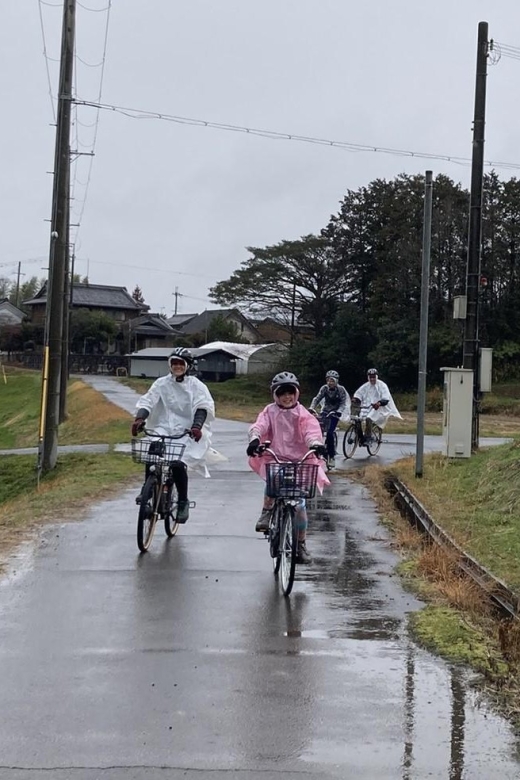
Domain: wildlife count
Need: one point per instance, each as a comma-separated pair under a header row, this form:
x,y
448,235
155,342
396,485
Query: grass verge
x,y
457,623
64,494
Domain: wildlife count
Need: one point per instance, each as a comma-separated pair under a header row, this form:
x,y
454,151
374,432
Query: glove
x,y
337,415
376,405
313,411
252,448
137,425
320,450
196,434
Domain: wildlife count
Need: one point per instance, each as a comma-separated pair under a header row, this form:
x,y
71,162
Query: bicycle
x,y
324,419
159,495
354,436
288,482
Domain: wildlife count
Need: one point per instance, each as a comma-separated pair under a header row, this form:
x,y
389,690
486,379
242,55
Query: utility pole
x,y
471,335
176,294
293,313
18,284
59,246
423,334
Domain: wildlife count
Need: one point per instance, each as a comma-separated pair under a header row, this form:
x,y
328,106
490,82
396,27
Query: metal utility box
x,y
486,365
460,305
457,412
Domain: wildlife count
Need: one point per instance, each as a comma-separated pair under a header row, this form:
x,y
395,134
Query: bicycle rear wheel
x,y
350,441
288,549
171,526
148,512
375,440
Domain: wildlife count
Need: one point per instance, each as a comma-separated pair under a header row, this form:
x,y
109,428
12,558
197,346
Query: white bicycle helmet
x,y
284,378
372,372
181,353
332,375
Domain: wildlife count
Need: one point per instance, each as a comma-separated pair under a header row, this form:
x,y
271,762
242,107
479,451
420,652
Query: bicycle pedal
x,y
192,504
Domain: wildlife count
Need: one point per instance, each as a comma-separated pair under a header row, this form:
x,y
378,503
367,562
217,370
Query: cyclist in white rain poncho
x,y
379,405
175,403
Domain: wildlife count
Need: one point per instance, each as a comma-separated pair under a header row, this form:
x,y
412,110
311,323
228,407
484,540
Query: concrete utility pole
x,y
59,247
423,334
471,336
17,294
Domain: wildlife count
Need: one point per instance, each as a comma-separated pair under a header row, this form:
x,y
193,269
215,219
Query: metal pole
x,y
293,313
59,241
423,334
471,336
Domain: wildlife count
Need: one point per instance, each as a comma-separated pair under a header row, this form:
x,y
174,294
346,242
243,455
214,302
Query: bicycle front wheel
x,y
375,440
171,526
350,441
288,550
148,512
274,537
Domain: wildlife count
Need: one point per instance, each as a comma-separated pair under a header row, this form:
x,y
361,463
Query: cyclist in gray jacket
x,y
334,402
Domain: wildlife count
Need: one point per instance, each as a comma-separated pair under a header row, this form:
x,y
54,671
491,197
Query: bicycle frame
x,y
156,493
282,534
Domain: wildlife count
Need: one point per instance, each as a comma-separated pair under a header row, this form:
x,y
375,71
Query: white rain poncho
x,y
171,405
371,393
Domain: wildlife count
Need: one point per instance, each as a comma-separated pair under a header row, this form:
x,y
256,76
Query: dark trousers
x,y
329,426
178,473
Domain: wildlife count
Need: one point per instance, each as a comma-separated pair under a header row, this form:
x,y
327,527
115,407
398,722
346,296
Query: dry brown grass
x,y
92,419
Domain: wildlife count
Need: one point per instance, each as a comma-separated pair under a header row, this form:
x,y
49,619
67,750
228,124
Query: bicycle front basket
x,y
291,480
156,450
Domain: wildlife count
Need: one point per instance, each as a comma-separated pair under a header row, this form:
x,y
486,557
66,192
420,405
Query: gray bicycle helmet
x,y
181,353
284,378
332,375
372,372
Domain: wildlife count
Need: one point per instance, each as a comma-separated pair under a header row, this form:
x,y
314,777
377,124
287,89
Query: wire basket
x,y
156,450
291,480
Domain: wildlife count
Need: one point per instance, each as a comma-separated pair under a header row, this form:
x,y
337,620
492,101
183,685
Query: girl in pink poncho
x,y
292,431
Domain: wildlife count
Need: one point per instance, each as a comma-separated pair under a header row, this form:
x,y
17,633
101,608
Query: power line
x,y
42,26
499,50
158,270
95,124
135,113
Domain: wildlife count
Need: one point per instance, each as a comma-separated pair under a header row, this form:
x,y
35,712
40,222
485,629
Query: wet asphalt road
x,y
188,663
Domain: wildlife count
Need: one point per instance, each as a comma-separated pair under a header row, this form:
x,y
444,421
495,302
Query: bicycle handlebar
x,y
149,432
265,447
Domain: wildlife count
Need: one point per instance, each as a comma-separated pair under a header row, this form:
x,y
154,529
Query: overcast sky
x,y
174,206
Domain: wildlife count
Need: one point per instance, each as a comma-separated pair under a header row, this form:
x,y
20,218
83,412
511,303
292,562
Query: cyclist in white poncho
x,y
376,402
176,403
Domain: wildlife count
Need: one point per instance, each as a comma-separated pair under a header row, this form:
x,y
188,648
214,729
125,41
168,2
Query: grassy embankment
x,y
78,479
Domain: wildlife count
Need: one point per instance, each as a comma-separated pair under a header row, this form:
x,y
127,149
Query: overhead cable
x,y
134,113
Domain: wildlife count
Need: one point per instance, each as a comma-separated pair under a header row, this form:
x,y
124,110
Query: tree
x,y
27,290
221,329
91,331
137,294
302,280
5,287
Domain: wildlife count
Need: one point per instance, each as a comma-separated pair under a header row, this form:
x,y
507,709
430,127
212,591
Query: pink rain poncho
x,y
291,433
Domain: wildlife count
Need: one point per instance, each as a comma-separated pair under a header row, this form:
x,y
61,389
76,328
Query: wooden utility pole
x,y
59,246
471,336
